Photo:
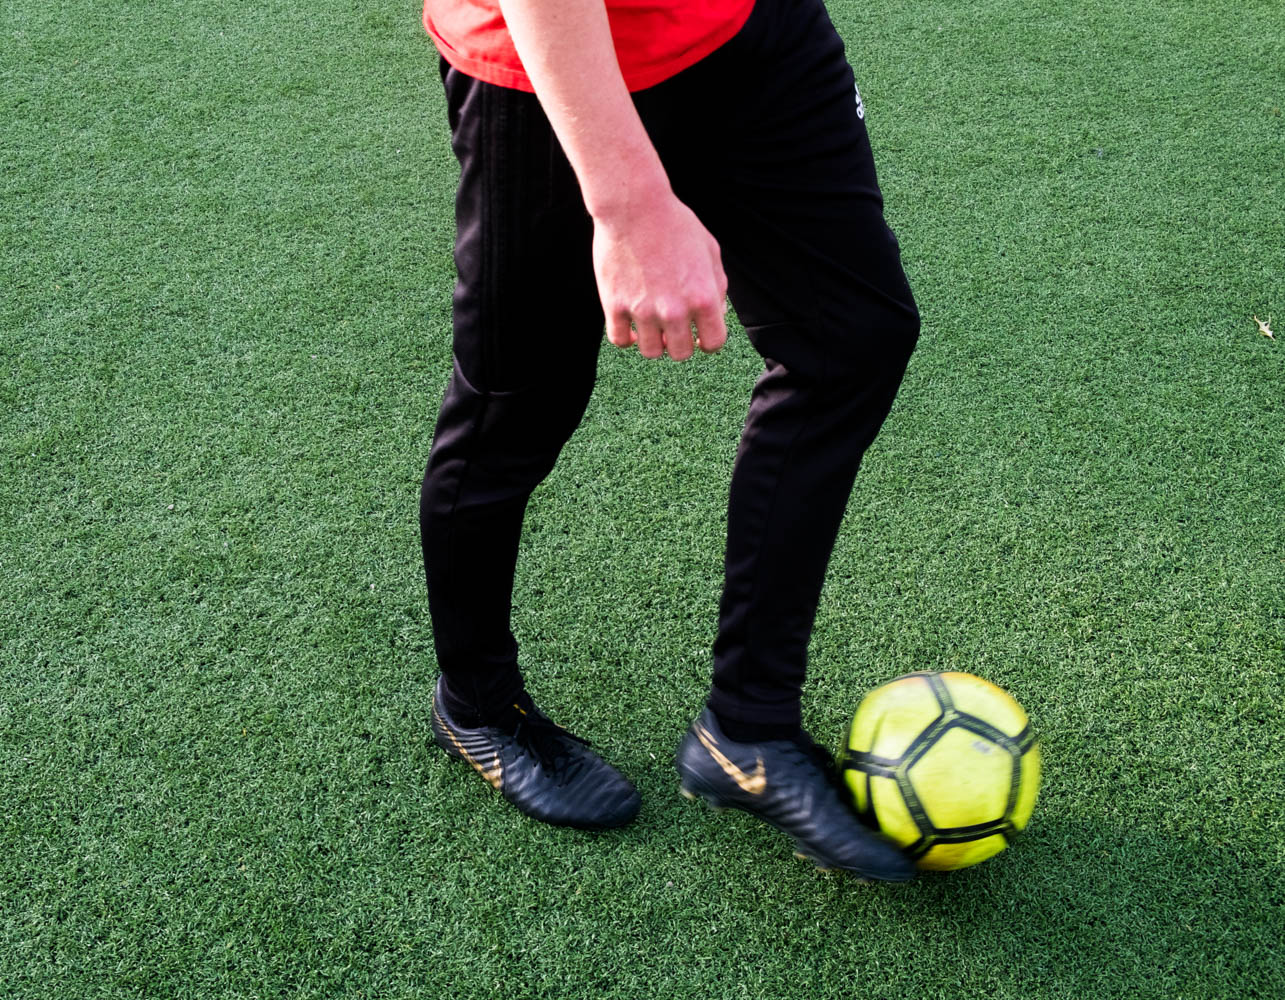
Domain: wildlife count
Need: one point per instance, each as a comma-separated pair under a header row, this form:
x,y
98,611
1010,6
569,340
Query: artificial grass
x,y
225,330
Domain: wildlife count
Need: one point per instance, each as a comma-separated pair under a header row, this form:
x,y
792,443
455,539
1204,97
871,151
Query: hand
x,y
660,269
657,267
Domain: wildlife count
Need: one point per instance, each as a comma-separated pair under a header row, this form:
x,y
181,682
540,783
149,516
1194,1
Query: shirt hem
x,y
642,78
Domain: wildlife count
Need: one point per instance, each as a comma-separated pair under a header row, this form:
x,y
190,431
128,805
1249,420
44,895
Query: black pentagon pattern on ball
x,y
899,770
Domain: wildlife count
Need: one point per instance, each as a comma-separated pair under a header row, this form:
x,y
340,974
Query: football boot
x,y
547,772
793,785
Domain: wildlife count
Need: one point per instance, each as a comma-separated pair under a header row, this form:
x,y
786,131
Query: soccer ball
x,y
945,764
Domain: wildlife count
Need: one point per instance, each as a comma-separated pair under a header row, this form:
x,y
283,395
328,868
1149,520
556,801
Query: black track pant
x,y
766,142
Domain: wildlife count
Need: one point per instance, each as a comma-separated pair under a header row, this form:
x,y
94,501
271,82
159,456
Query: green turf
x,y
225,256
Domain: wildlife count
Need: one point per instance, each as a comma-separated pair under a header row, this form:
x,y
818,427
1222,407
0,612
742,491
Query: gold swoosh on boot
x,y
754,783
494,774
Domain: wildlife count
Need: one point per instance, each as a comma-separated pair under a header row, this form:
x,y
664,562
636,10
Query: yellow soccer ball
x,y
945,764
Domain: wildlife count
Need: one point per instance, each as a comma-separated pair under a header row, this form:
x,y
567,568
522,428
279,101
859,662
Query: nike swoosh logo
x,y
754,783
494,774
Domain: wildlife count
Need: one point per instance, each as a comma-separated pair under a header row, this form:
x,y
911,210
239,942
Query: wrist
x,y
624,193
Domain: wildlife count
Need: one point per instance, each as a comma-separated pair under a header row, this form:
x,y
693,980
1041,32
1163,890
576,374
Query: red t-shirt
x,y
655,39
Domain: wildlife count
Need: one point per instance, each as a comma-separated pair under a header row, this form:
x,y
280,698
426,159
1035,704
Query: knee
x,y
876,340
507,440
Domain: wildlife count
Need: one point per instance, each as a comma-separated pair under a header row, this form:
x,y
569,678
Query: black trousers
x,y
765,140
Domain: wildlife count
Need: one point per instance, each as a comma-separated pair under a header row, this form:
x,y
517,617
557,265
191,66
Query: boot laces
x,y
822,759
550,744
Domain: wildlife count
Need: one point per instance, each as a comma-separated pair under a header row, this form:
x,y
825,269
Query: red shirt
x,y
655,39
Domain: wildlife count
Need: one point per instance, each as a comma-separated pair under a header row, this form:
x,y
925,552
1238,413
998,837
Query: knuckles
x,y
668,313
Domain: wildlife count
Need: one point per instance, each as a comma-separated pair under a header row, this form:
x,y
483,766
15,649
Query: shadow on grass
x,y
1082,909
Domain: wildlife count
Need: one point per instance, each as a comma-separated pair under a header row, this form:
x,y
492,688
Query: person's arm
x,y
657,266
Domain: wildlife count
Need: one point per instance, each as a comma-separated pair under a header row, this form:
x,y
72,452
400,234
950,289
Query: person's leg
x,y
785,180
786,183
527,330
803,441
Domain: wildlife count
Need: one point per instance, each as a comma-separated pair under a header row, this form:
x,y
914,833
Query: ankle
x,y
741,731
476,714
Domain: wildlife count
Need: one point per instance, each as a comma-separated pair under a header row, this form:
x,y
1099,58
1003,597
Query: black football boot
x,y
792,785
547,772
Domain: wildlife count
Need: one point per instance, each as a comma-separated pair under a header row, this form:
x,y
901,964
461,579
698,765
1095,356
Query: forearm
x,y
567,52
